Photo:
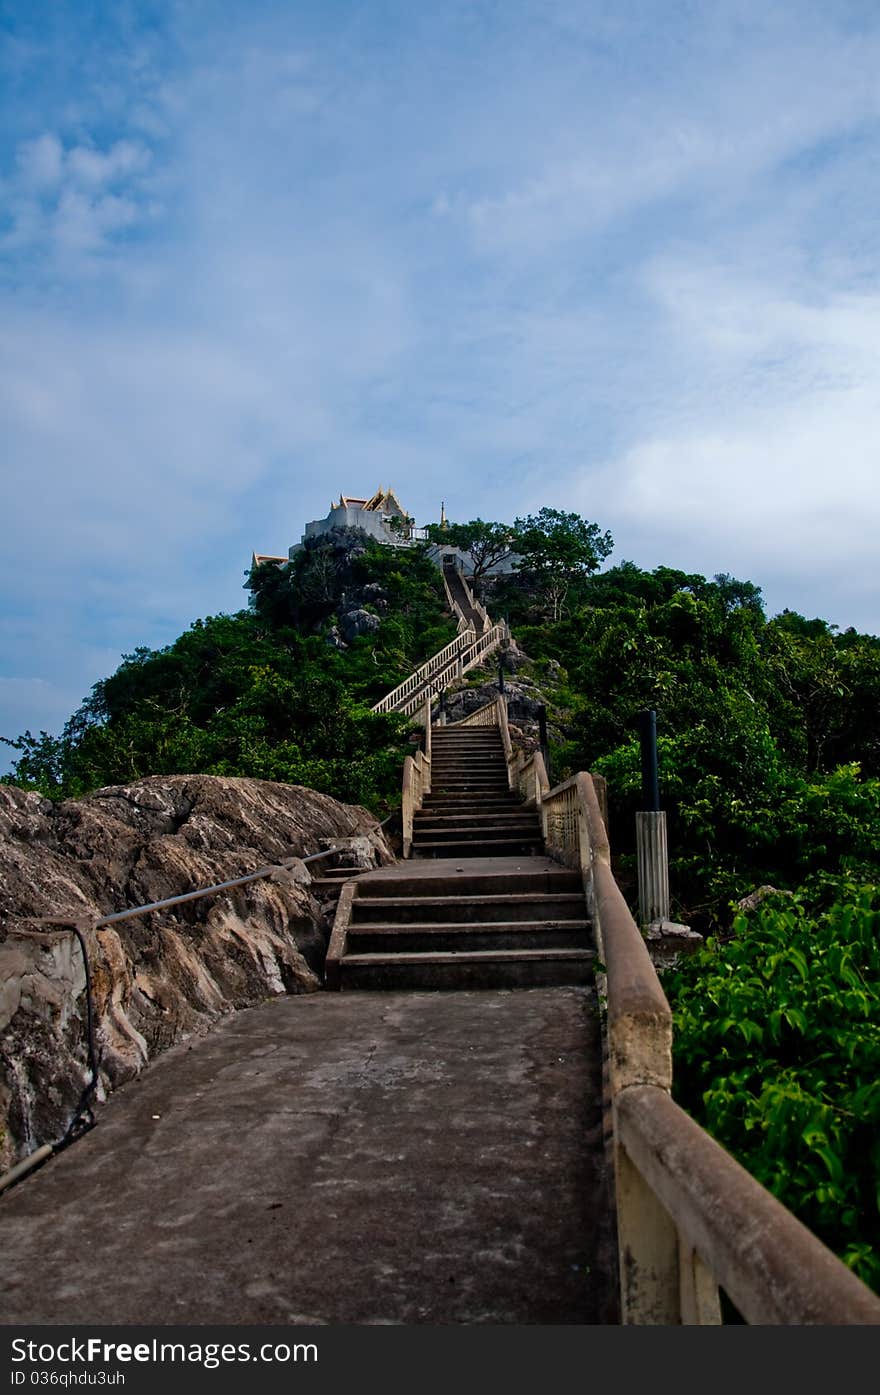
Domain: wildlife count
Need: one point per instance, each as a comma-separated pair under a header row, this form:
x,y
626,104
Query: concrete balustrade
x,y
442,660
772,1267
689,1217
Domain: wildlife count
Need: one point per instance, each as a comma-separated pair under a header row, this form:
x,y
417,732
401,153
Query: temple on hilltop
x,y
383,518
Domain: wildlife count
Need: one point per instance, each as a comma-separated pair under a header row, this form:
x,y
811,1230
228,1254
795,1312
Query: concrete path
x,y
366,1158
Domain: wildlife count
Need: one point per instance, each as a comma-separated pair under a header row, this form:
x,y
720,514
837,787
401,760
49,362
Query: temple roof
x,y
260,557
383,501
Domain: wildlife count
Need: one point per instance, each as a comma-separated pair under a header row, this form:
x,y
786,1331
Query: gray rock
x,y
358,622
513,658
754,899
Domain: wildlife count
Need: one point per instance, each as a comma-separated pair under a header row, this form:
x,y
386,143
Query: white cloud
x,y
95,168
40,161
70,202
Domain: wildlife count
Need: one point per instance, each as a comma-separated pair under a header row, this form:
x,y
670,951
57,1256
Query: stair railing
x,y
471,600
463,620
485,645
441,660
447,666
690,1219
529,776
416,782
485,716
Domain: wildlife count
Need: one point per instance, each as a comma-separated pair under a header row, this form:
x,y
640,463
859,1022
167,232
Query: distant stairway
x,y
478,905
471,810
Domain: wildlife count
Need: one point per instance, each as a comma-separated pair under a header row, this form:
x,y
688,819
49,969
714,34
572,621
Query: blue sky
x,y
620,258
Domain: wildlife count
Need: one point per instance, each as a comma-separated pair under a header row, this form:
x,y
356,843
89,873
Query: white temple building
x,y
382,517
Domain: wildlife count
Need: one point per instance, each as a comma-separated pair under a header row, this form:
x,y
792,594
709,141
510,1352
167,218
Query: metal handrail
x,y
208,890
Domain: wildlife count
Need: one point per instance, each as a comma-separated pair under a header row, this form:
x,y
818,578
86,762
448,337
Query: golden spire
x,y
443,523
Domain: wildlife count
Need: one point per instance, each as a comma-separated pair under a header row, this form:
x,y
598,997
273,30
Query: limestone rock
x,y
358,622
334,638
513,658
754,899
161,977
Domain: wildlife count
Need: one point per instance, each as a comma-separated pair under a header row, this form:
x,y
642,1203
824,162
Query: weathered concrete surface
x,y
160,978
364,1158
468,867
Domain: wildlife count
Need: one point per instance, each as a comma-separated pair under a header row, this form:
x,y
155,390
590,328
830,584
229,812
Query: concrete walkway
x,y
366,1158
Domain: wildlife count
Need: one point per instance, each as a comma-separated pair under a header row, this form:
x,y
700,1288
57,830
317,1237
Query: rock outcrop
x,y
159,977
525,699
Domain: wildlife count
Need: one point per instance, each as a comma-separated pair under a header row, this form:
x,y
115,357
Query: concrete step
x,y
527,830
467,807
503,818
511,881
524,968
476,820
465,783
479,847
468,775
481,751
490,740
322,885
430,937
467,909
485,750
466,736
465,766
483,765
476,796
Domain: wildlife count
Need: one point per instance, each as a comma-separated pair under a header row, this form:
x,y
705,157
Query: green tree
x,y
556,549
487,543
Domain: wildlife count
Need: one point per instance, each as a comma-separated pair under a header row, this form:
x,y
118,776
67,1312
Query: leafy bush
x,y
777,1054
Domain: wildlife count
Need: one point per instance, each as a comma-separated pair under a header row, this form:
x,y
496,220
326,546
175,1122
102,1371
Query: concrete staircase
x,y
478,905
471,810
502,923
461,598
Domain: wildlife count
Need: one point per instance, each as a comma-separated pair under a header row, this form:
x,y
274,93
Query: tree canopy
x,y
555,549
487,543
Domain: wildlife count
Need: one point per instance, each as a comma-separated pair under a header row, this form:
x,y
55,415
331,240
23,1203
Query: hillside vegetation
x,y
279,691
